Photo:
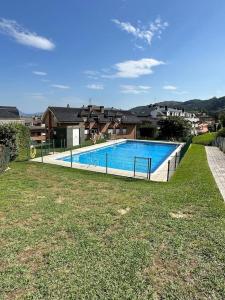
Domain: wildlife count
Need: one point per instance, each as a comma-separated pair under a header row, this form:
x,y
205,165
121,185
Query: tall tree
x,y
175,128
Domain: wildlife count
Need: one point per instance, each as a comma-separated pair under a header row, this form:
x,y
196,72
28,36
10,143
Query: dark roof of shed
x,y
9,112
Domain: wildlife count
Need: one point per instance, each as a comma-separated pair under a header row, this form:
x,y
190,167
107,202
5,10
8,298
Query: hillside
x,y
212,106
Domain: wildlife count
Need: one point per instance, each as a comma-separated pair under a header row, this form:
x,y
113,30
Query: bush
x,y
16,137
221,132
22,140
175,128
8,139
204,139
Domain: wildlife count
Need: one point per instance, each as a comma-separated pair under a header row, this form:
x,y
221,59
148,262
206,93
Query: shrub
x,y
204,139
8,138
175,128
221,132
16,137
22,140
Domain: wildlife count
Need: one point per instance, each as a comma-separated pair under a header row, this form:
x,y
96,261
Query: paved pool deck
x,y
159,175
216,161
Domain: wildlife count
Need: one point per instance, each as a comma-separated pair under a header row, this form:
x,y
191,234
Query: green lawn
x,y
71,234
204,139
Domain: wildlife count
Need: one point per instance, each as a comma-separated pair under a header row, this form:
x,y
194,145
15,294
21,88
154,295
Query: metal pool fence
x,y
220,143
4,158
139,167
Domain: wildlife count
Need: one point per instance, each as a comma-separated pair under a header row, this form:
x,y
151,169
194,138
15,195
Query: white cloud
x,y
24,36
91,72
95,86
60,86
170,87
37,96
134,89
39,73
135,68
145,33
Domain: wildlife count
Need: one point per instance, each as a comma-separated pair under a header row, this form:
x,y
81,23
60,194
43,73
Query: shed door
x,y
76,136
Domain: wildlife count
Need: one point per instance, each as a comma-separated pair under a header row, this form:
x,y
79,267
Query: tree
x,y
175,128
222,119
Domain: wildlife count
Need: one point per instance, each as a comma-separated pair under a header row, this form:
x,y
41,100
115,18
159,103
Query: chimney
x,y
102,109
68,106
90,108
166,108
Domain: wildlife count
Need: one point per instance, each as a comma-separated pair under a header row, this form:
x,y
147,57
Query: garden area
x,y
73,234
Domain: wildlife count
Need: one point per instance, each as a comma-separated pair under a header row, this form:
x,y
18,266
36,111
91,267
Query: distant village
x,y
75,125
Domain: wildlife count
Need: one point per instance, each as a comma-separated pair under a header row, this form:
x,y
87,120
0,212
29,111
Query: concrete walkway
x,y
216,161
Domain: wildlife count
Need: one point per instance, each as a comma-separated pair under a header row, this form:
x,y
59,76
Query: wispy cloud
x,y
95,86
39,73
145,33
170,87
23,36
60,86
45,80
37,96
92,74
135,68
134,89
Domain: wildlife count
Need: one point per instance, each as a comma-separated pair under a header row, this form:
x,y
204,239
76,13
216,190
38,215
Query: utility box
x,y
75,136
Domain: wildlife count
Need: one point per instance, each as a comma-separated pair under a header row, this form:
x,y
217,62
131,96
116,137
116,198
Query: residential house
x,y
37,128
152,115
76,125
10,114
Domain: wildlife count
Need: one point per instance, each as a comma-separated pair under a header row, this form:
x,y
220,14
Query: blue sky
x,y
120,53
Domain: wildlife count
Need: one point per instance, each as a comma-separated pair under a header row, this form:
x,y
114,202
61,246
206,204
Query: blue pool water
x,y
121,155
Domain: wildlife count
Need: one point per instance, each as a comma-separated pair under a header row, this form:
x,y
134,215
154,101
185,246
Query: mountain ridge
x,y
212,106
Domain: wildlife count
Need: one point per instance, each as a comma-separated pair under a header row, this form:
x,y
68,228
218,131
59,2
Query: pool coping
x,y
160,174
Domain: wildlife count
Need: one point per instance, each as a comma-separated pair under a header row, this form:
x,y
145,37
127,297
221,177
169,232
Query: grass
x,y
72,234
204,139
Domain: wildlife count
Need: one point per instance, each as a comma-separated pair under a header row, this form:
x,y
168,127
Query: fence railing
x,y
220,143
53,146
4,158
137,166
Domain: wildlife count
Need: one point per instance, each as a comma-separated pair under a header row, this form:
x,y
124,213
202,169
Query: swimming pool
x,y
124,155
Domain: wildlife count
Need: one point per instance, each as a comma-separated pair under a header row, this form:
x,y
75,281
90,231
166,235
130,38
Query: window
x,y
117,131
124,130
86,131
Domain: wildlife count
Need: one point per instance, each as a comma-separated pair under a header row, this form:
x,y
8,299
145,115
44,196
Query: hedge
x,y
16,137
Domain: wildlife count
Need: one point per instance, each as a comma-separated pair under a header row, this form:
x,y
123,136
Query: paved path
x,y
216,160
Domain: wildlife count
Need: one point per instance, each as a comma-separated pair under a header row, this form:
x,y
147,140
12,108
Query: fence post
x,y
176,161
64,144
53,145
150,168
106,163
71,157
41,153
49,146
168,171
134,166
